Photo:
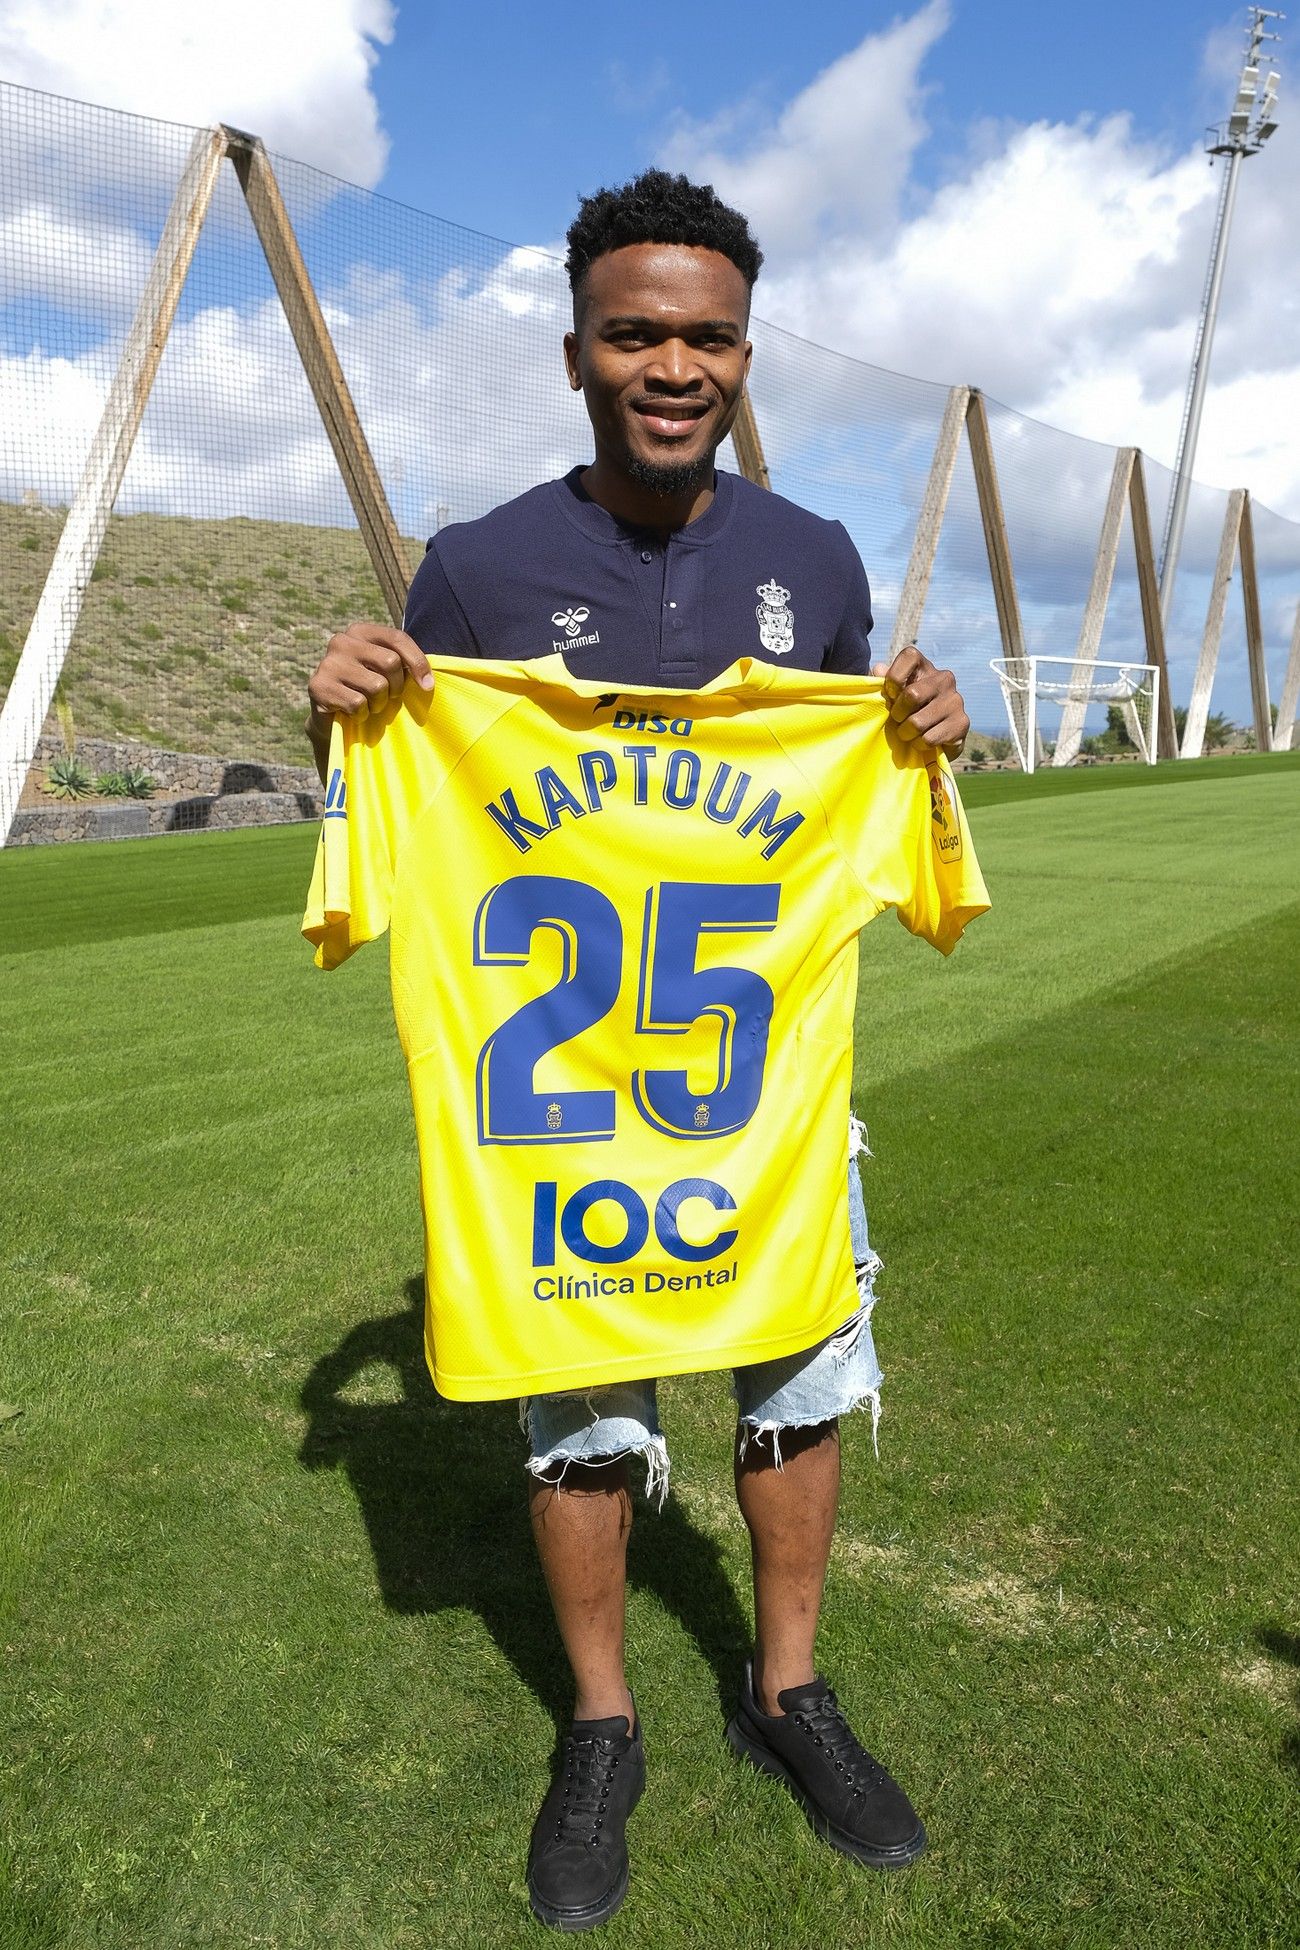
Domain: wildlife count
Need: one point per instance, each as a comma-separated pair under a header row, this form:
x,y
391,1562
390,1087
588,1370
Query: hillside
x,y
195,635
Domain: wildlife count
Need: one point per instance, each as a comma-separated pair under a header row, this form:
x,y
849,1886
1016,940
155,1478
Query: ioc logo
x,y
572,1221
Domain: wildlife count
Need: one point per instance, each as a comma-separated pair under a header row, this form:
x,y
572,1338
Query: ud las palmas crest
x,y
775,618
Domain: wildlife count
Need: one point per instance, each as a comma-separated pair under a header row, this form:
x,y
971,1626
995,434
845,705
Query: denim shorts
x,y
795,1391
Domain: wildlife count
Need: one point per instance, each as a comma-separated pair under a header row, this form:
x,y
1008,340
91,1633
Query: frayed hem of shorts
x,y
653,1453
751,1427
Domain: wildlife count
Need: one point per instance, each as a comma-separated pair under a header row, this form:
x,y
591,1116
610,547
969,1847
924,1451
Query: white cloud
x,y
296,72
1060,268
834,162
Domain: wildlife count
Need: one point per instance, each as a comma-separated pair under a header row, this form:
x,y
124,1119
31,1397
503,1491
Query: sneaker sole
x,y
761,1757
580,1919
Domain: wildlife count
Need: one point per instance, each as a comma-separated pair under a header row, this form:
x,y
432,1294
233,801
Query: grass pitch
x,y
277,1666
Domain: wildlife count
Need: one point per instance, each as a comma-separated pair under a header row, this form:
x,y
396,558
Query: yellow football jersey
x,y
624,963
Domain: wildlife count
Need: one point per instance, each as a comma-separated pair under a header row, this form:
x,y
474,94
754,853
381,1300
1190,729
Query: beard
x,y
670,477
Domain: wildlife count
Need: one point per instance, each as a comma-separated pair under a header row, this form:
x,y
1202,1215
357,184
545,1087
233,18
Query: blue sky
x,y
500,116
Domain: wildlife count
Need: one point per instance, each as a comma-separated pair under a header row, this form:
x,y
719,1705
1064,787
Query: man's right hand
x,y
363,669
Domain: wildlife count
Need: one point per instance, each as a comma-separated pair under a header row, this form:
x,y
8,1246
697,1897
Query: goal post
x,y
1029,684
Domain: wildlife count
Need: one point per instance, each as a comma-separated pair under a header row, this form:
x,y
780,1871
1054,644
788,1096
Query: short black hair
x,y
658,208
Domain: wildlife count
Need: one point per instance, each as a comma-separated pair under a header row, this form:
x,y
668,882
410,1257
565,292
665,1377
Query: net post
x,y
1070,735
41,661
1165,731
320,362
1198,710
1031,736
925,541
749,447
1254,629
1284,736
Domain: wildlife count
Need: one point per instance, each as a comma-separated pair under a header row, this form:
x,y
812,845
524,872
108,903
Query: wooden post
x,y
1203,681
995,527
748,446
1254,630
1284,736
52,626
998,549
1198,710
911,604
1164,731
1070,735
321,364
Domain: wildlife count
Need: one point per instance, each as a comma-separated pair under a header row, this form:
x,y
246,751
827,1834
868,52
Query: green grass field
x,y
277,1666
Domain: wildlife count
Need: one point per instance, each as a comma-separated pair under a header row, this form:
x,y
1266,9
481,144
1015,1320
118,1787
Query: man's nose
x,y
673,365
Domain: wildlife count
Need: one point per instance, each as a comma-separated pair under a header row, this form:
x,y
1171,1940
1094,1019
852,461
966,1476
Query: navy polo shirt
x,y
753,576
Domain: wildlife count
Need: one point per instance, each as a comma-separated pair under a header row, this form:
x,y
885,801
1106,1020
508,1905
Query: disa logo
x,y
945,820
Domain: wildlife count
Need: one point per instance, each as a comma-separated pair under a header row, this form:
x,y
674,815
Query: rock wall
x,y
193,794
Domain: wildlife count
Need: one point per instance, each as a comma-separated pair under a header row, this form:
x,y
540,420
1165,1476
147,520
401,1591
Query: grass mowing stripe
x,y
278,1663
997,788
101,892
108,891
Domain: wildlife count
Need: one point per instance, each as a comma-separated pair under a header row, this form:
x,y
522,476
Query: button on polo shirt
x,y
551,571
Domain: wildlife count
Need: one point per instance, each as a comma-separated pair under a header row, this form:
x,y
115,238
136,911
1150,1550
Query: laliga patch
x,y
945,819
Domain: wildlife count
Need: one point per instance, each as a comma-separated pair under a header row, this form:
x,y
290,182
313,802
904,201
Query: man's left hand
x,y
924,702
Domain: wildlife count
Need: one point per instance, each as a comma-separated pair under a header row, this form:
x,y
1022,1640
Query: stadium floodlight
x,y
1247,88
1234,139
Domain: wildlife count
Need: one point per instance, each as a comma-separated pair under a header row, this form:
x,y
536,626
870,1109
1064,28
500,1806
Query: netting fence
x,y
232,550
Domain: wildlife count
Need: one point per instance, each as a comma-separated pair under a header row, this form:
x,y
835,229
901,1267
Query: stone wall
x,y
193,794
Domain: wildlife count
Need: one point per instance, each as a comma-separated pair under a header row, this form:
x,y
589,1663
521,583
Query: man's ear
x,y
571,360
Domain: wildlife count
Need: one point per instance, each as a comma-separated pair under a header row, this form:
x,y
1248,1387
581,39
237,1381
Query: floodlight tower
x,y
1236,138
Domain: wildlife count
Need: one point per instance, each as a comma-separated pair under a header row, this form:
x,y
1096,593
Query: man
x,y
648,567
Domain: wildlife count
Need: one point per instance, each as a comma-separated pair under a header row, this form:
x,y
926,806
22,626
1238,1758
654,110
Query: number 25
x,y
673,995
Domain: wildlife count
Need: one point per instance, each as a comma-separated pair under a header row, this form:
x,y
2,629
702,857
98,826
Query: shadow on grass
x,y
441,1488
1281,1644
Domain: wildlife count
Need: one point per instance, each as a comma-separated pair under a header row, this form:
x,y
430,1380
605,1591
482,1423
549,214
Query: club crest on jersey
x,y
775,618
945,820
571,621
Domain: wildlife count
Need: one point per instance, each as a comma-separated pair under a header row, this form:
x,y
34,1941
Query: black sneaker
x,y
848,1797
577,1860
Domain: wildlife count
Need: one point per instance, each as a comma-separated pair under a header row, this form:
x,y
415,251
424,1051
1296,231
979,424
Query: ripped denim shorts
x,y
795,1391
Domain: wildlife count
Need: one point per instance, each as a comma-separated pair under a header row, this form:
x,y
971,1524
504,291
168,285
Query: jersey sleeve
x,y
434,615
904,832
382,771
850,653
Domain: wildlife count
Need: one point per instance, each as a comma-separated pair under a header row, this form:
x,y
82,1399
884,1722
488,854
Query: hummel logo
x,y
604,701
571,622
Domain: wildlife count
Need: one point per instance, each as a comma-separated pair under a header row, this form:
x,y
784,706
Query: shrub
x,y
67,778
112,785
139,783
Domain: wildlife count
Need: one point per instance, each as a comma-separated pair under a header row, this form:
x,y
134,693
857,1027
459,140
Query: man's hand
x,y
363,669
924,702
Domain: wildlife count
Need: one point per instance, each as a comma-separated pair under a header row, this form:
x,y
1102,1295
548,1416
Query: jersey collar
x,y
598,525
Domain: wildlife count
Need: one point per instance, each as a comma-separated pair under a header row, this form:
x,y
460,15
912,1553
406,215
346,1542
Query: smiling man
x,y
651,566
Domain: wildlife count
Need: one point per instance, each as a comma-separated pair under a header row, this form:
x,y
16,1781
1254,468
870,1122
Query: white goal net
x,y
1031,683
